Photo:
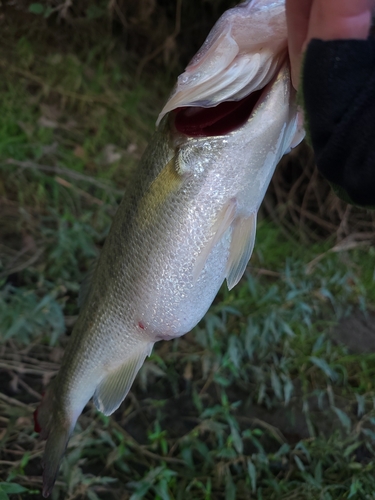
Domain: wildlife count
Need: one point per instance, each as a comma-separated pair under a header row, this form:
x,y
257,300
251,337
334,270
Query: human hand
x,y
326,20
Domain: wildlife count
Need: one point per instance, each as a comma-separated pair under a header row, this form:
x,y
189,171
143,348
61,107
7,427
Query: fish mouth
x,y
229,74
218,120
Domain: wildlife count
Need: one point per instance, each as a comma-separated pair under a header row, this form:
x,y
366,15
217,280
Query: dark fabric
x,y
338,85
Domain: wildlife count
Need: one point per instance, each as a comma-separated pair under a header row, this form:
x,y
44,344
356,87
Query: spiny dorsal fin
x,y
222,224
113,389
86,284
241,248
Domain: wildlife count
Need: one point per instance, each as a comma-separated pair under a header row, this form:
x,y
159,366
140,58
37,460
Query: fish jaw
x,y
240,55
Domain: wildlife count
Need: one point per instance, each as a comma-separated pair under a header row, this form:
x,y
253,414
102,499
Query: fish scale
x,y
187,222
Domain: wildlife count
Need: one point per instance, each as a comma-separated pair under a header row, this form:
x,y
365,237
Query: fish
x,y
188,220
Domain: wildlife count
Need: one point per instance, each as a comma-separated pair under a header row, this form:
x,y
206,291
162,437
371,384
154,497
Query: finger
x,y
340,19
297,16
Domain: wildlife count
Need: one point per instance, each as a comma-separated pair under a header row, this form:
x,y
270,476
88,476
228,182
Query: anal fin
x,y
113,389
241,248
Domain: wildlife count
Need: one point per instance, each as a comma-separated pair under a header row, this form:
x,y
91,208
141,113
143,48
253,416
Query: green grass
x,y
259,401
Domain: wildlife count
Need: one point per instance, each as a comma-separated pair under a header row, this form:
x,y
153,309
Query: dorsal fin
x,y
113,389
241,248
86,284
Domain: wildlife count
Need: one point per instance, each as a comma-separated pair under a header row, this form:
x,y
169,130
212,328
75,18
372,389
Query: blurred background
x,y
272,395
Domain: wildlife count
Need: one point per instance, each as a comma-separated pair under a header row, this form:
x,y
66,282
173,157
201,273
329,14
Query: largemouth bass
x,y
188,221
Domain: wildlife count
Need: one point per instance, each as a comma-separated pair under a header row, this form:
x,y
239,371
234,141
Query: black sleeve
x,y
338,87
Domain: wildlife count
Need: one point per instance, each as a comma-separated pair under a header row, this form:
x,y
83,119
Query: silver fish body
x,y
186,224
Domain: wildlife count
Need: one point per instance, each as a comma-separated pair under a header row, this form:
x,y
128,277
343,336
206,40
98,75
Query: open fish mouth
x,y
189,220
241,56
221,119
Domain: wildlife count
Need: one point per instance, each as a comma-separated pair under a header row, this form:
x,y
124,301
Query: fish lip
x,y
180,138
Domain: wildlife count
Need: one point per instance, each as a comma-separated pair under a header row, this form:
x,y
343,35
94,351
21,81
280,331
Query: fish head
x,y
241,55
251,134
233,74
237,90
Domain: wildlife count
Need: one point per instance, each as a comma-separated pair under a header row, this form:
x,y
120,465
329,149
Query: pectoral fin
x,y
113,389
241,248
300,133
222,224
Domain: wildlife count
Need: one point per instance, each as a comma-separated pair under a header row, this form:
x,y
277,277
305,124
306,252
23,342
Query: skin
x,y
326,20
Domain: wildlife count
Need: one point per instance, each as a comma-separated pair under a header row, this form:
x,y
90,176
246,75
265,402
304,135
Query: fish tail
x,y
43,414
55,448
56,428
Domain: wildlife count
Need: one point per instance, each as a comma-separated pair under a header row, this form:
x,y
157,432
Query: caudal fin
x,y
56,428
54,451
55,422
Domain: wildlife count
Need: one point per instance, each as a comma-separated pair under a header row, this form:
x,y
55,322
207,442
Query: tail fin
x,y
55,418
43,414
56,428
55,448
